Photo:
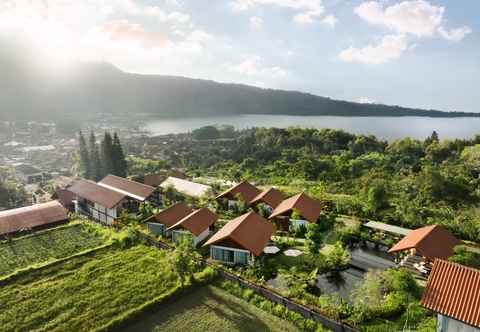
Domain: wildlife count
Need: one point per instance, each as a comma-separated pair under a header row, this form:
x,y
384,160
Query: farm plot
x,y
46,246
87,292
210,309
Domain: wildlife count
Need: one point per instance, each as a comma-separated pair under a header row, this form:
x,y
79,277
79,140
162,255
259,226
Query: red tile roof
x,y
244,189
250,231
197,221
430,241
453,290
270,196
95,193
307,207
124,186
171,215
28,217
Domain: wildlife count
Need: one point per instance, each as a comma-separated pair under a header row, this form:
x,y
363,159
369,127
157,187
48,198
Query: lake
x,y
388,128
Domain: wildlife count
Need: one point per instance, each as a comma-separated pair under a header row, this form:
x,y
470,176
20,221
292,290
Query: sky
x,y
416,53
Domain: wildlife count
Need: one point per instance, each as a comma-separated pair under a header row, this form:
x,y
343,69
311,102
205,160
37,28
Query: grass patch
x,y
46,246
210,309
86,293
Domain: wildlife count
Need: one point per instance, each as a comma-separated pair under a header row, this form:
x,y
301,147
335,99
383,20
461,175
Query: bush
x,y
208,274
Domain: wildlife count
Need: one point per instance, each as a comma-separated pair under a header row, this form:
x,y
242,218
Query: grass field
x,y
86,292
46,246
210,309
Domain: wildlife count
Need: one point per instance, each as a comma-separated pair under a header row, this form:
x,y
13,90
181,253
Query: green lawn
x,y
209,309
46,246
86,292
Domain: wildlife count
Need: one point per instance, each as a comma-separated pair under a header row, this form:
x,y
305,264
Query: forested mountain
x,y
27,93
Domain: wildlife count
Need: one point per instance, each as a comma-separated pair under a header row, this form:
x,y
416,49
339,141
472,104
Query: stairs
x,y
409,263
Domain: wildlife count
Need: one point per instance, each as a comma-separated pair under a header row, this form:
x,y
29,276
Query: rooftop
x,y
308,208
453,291
387,228
197,221
186,187
171,215
430,241
270,196
245,190
250,231
135,190
95,193
31,216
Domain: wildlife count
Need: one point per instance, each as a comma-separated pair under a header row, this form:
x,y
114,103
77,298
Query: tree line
x,y
99,160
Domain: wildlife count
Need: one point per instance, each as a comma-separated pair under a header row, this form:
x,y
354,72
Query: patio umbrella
x,y
292,252
271,250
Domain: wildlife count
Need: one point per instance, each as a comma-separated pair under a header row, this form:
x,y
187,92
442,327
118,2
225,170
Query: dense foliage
x,y
97,161
406,182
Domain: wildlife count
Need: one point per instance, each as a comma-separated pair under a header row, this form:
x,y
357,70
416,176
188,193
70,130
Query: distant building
x,y
306,208
33,217
187,188
243,191
453,292
28,174
241,239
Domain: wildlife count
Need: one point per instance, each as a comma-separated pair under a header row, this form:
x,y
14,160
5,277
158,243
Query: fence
x,y
289,304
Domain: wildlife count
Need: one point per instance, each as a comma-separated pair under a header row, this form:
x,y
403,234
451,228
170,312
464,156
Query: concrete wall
x,y
446,324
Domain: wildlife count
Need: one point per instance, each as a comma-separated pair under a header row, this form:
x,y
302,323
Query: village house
x,y
186,188
423,245
28,174
33,217
158,223
296,211
271,197
196,225
136,192
453,292
243,191
241,239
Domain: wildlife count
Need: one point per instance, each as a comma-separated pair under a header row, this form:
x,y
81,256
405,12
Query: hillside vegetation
x,y
407,182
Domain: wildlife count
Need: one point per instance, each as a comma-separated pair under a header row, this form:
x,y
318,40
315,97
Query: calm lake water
x,y
383,127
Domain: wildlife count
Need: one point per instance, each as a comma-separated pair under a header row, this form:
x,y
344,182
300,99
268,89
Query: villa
x,y
158,223
243,191
33,217
453,293
306,210
196,225
423,245
241,239
135,191
271,197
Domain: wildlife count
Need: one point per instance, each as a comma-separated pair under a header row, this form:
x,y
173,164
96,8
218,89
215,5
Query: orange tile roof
x,y
28,217
132,189
453,290
250,231
271,196
246,191
430,241
197,221
171,215
308,208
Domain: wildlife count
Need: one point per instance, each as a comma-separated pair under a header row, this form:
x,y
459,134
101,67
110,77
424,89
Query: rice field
x,y
48,245
86,293
209,309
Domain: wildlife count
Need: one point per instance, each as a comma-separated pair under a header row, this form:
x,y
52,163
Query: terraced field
x,y
49,245
88,292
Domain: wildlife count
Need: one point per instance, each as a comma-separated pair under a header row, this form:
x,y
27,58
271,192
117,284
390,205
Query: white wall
x,y
445,324
201,237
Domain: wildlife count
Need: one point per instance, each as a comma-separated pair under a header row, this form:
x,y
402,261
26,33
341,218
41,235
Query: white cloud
x,y
416,17
308,10
253,66
330,20
390,48
456,34
366,100
256,22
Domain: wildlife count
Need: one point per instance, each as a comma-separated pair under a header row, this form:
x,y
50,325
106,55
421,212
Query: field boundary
x,y
40,232
36,267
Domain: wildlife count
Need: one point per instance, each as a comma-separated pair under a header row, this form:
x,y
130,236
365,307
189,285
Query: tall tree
x,y
85,166
118,157
107,154
95,162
